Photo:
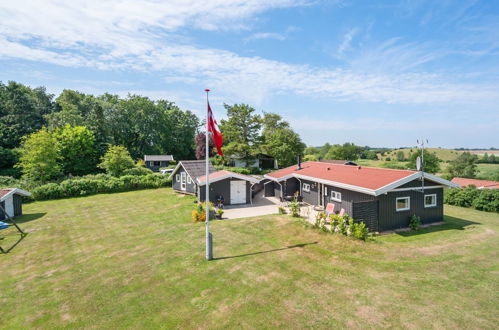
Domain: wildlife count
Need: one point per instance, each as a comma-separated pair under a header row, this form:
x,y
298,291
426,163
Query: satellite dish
x,y
418,163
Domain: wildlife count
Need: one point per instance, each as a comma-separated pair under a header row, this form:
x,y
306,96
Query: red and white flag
x,y
213,128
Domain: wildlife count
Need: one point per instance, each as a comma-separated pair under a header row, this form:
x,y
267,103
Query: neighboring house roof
x,y
223,174
368,180
338,161
195,168
158,158
480,184
6,192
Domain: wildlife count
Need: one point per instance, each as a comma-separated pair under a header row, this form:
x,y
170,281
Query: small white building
x,y
11,202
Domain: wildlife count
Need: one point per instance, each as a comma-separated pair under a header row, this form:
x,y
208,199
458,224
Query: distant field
x,y
482,152
488,172
485,171
443,154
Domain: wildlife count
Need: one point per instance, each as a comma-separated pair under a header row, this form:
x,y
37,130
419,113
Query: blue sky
x,y
378,73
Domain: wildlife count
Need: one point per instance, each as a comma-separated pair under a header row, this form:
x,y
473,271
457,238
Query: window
x,y
177,177
156,163
403,204
430,200
189,180
335,196
306,187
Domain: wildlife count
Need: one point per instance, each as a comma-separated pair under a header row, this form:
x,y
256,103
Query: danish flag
x,y
213,128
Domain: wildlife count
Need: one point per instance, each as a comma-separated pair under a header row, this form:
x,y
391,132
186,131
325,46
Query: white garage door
x,y
238,192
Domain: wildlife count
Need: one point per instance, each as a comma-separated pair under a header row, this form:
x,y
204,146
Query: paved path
x,y
260,206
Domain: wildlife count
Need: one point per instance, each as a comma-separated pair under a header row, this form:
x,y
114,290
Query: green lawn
x,y
135,260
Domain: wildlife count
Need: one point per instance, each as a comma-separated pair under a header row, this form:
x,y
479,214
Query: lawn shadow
x,y
451,223
7,250
29,217
302,245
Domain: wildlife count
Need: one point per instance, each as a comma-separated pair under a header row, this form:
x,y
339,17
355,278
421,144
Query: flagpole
x,y
209,251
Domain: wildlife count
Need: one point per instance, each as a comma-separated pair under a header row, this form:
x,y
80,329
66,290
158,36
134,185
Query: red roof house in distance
x,y
480,184
384,199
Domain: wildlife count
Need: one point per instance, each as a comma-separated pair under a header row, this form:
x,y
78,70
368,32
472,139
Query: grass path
x,y
136,260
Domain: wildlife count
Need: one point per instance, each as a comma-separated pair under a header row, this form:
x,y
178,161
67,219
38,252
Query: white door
x,y
182,180
238,192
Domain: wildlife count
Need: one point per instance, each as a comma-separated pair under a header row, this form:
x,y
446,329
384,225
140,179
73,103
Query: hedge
x,y
100,183
480,199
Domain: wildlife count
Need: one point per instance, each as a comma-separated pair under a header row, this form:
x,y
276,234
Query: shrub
x,y
295,208
281,210
360,231
100,183
415,222
487,200
137,170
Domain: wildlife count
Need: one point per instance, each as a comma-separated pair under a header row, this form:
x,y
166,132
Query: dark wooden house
x,y
155,162
189,178
11,200
384,199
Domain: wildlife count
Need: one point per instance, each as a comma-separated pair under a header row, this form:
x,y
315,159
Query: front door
x,y
238,192
183,179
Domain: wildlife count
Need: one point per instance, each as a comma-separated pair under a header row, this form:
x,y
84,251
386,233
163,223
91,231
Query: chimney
x,y
298,159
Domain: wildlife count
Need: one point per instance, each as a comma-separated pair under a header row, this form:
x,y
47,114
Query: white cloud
x,y
347,40
122,35
267,35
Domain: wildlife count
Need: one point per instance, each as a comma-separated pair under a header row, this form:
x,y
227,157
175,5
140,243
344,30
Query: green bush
x,y
415,222
295,208
100,183
360,231
137,171
487,200
240,170
480,199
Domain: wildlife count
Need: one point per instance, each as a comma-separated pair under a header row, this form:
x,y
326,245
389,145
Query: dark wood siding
x,y
2,214
348,197
390,219
222,188
291,186
269,189
18,205
311,197
367,212
189,187
417,183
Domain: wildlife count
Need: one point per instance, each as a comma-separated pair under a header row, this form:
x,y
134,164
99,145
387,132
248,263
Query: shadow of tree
x,y
29,217
451,223
302,245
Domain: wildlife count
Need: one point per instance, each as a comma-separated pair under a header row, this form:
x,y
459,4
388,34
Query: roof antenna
x,y
420,161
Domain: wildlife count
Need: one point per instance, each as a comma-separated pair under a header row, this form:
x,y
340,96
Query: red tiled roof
x,y
364,177
4,192
463,182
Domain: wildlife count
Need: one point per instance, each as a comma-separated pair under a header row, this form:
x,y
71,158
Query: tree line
x,y
44,137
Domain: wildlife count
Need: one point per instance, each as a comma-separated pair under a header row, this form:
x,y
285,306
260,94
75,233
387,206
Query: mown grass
x,y
135,260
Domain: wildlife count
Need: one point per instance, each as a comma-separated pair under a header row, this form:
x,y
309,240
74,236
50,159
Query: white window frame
x,y
405,208
189,179
434,204
335,196
305,187
177,177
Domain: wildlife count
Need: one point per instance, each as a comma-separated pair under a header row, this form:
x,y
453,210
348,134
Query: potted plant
x,y
219,213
